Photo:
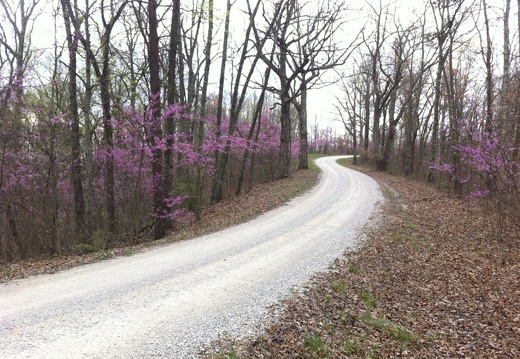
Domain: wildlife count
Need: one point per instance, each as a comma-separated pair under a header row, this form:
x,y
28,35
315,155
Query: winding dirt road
x,y
169,301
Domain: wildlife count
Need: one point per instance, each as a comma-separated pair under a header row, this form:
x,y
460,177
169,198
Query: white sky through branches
x,y
360,15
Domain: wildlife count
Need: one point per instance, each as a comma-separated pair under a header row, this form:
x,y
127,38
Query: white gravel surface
x,y
170,301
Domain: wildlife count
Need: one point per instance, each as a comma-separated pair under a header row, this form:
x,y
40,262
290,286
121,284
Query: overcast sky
x,y
320,101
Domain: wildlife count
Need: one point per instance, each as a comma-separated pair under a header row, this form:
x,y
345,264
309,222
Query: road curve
x,y
168,301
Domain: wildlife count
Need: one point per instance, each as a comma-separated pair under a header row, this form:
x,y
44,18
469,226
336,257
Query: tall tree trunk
x,y
217,192
516,127
303,162
367,118
102,71
506,73
390,137
436,111
257,117
172,95
488,61
77,177
205,79
238,96
104,83
86,109
156,131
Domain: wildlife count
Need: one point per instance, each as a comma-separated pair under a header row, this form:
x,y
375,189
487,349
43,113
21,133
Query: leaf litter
x,y
436,279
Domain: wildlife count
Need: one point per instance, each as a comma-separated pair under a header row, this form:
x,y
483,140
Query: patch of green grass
x,y
373,353
312,165
395,332
339,286
388,192
229,354
351,347
354,269
316,346
344,162
400,237
97,243
402,335
368,300
328,327
409,225
127,252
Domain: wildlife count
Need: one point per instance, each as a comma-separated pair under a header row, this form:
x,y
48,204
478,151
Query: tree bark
x,y
172,95
303,162
156,131
76,167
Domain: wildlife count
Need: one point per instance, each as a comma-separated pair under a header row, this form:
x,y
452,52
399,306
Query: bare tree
x,y
156,130
102,72
447,21
349,108
172,92
317,50
241,82
77,176
305,47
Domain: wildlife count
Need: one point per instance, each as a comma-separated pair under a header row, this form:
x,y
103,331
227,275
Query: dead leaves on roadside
x,y
435,281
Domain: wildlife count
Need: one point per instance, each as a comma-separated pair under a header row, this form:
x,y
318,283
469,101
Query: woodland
x,y
143,113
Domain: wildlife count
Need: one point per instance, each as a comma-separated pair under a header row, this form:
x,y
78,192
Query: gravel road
x,y
170,301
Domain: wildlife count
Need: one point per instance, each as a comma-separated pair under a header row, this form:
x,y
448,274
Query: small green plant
x,y
376,323
96,244
351,347
5,272
316,346
127,252
328,327
402,335
98,241
368,300
409,225
354,269
229,354
339,286
373,354
342,316
400,237
395,332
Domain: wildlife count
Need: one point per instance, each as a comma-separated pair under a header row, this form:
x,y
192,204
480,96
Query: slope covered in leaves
x,y
434,280
259,199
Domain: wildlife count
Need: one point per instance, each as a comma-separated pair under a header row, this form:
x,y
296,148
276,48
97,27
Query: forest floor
x,y
434,280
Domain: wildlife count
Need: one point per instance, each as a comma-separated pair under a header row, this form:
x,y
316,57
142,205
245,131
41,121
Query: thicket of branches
x,y
436,97
140,113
